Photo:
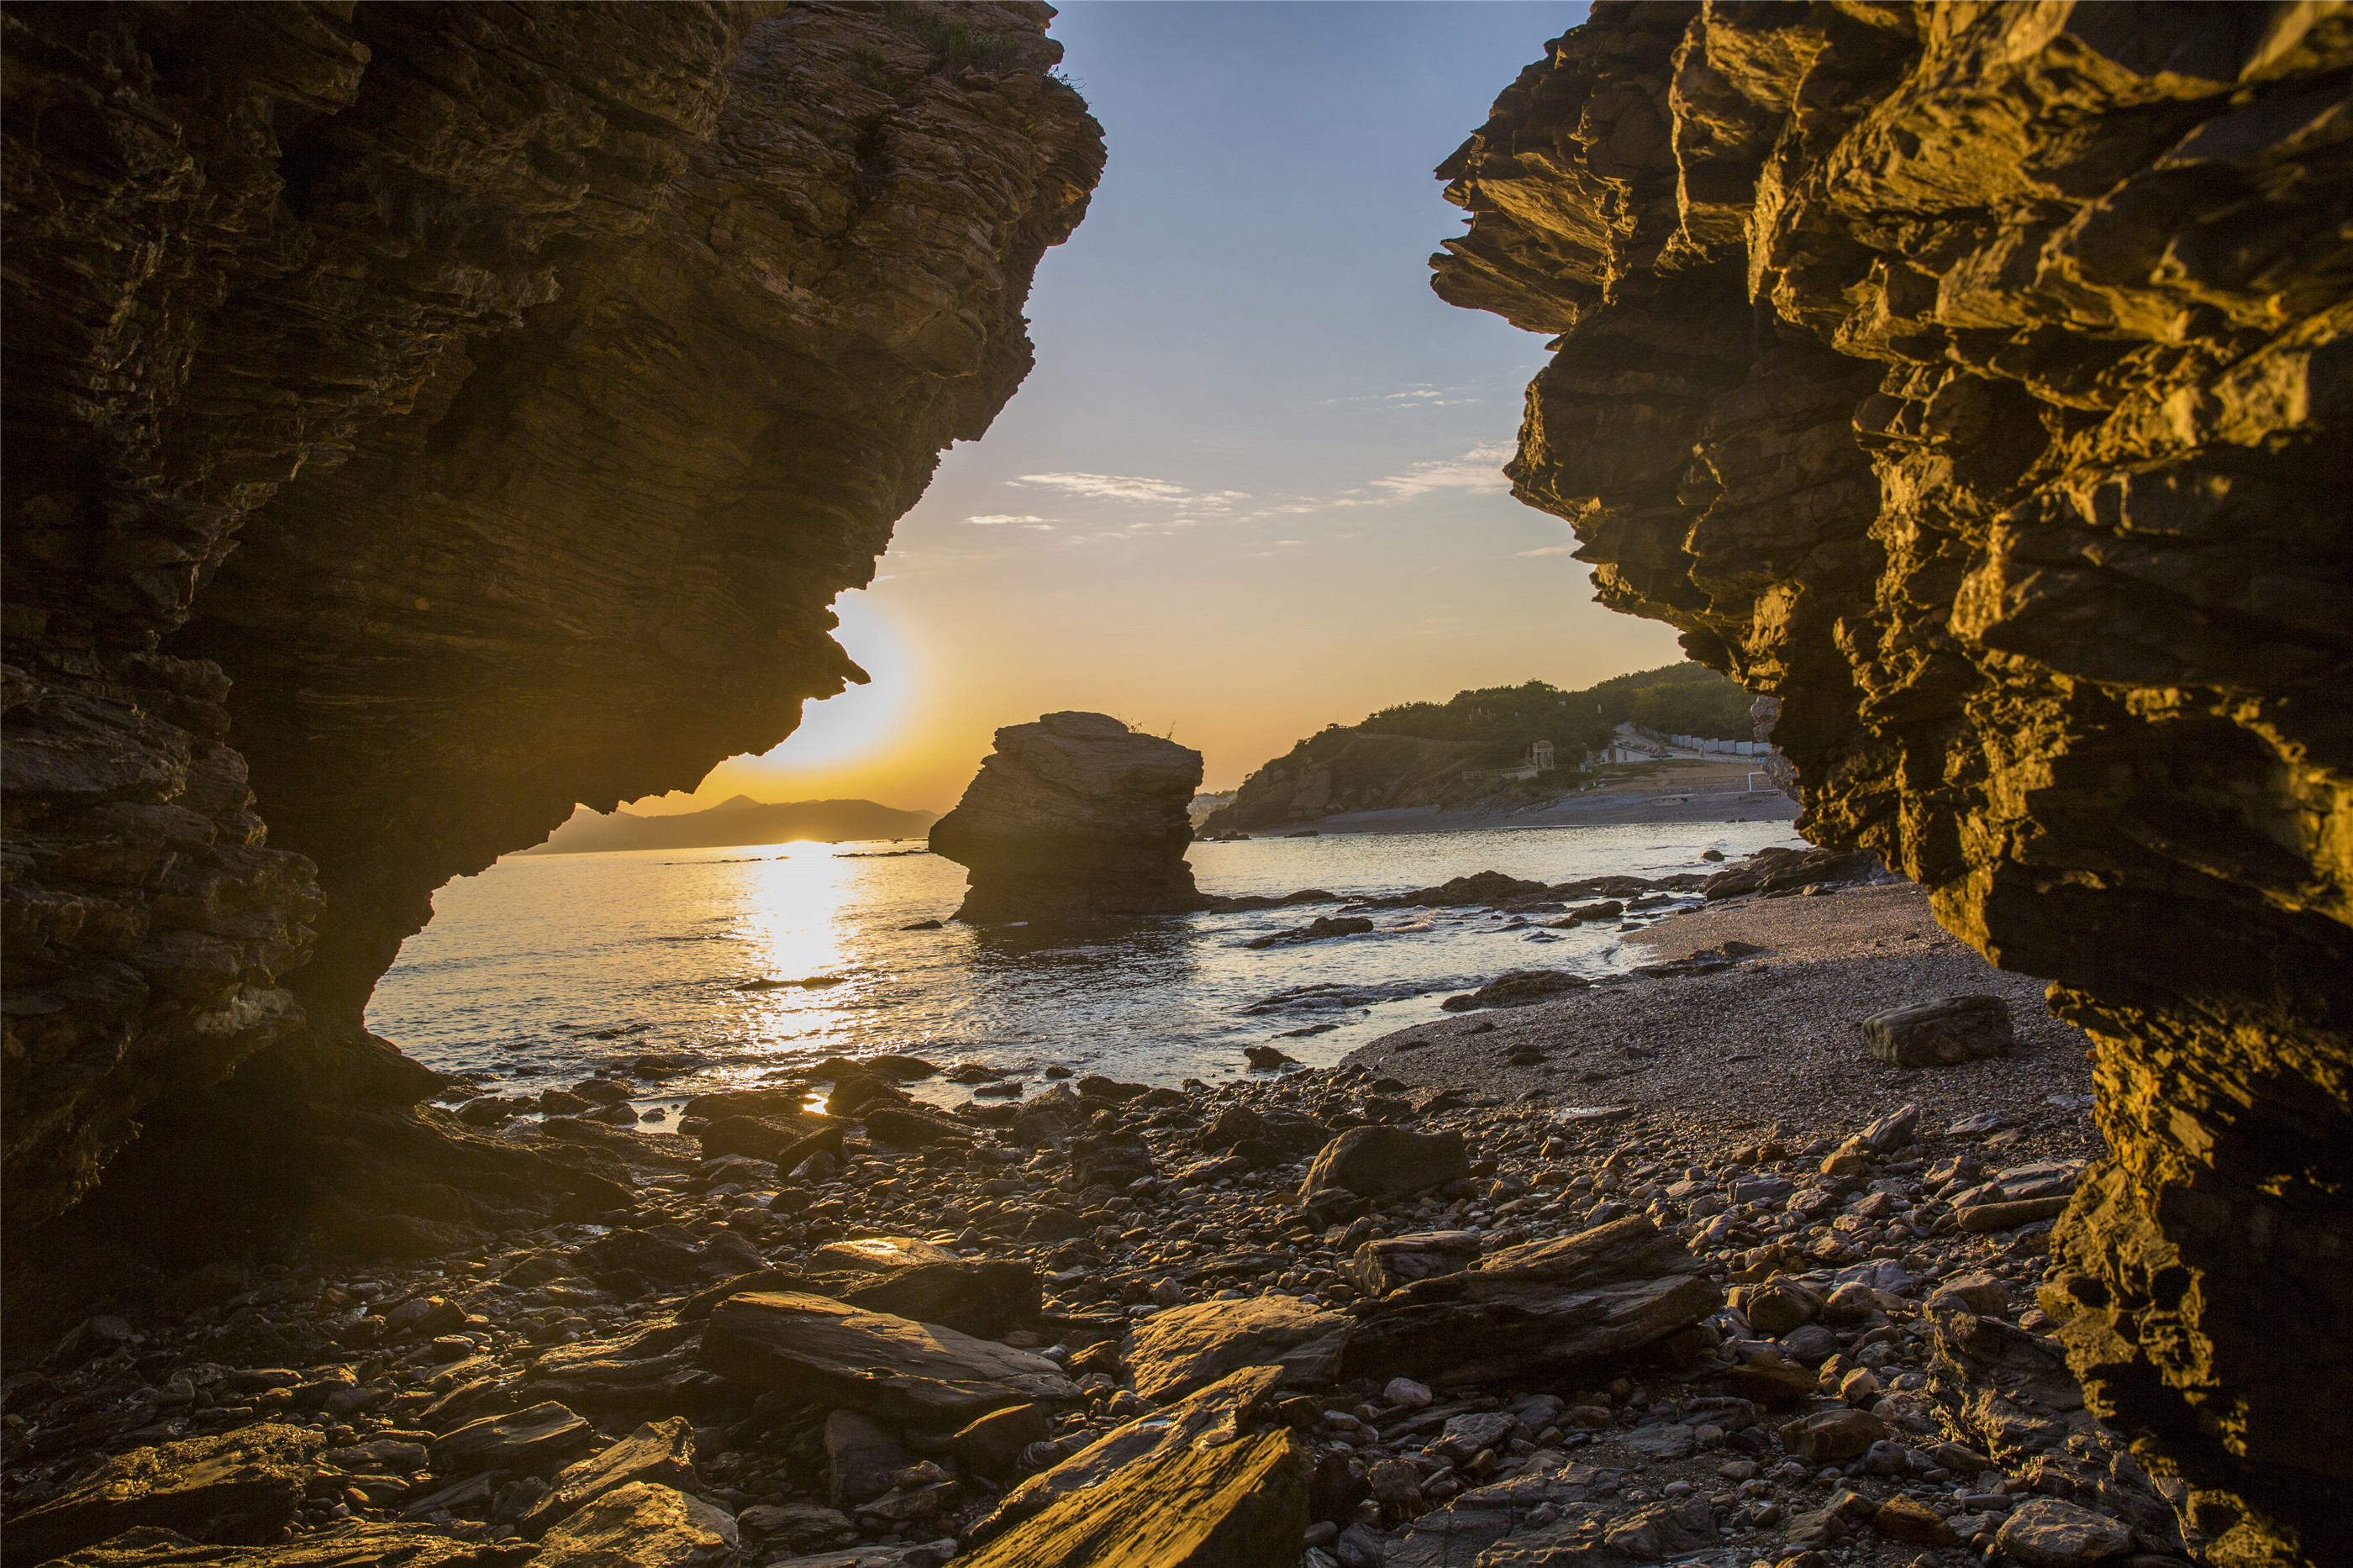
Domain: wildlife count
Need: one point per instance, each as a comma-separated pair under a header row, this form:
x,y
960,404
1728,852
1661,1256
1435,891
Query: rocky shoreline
x,y
1401,1311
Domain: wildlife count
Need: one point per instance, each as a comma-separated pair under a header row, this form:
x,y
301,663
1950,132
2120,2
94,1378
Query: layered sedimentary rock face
x,y
1073,817
1974,380
421,419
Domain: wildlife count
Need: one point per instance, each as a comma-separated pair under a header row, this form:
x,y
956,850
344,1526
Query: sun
x,y
864,719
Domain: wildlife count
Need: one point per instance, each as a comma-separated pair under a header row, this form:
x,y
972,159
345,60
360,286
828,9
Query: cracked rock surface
x,y
422,420
1971,381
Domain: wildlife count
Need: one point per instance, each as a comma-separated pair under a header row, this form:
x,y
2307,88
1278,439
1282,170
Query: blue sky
x,y
1250,487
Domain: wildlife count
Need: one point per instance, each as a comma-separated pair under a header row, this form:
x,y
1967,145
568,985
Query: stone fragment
x,y
242,1487
1381,1265
1075,815
1770,1379
352,1545
1387,1161
1907,1518
1519,988
911,1129
1833,1436
1943,1032
1484,1516
2049,1534
1174,1353
903,1372
649,1372
984,1297
992,1446
1217,1414
1649,1534
1238,1504
1536,1310
535,1440
640,1525
660,1452
861,1459
1979,1218
1775,1306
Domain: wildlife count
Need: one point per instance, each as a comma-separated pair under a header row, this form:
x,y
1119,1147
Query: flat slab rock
x,y
1663,1529
641,1525
1240,1504
1478,1519
660,1452
544,1438
354,1546
1174,1353
1536,1309
893,1368
1217,1414
239,1488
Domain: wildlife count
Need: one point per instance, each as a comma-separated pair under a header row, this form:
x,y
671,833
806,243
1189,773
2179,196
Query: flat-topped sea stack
x,y
1075,816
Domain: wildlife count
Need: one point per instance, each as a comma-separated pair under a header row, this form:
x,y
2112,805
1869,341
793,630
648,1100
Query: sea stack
x,y
1074,815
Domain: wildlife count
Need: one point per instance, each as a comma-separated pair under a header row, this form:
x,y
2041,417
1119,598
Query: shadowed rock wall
x,y
421,419
1974,380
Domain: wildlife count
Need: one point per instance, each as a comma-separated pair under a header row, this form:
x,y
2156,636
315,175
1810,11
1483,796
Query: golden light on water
x,y
792,935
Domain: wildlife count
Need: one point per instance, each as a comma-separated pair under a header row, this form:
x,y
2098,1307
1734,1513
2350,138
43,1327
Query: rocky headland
x,y
1971,380
1072,817
421,420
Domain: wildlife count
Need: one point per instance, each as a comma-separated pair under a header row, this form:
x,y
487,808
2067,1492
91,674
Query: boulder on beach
x,y
660,1452
1943,1032
1214,1415
1236,1504
899,1370
1537,1309
1519,988
1174,1353
1387,1161
1072,816
243,1486
642,1525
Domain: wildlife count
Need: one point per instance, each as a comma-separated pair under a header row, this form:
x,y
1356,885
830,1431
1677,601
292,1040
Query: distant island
x,y
740,820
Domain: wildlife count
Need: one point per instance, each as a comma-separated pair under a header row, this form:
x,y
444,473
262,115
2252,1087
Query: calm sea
x,y
544,968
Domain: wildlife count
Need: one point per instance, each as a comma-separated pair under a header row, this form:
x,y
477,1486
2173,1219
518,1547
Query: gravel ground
x,y
1777,1039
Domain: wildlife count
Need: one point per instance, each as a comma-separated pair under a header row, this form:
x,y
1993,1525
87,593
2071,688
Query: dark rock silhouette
x,y
1973,381
1073,817
421,421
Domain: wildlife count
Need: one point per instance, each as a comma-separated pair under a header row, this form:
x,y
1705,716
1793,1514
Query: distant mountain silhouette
x,y
740,820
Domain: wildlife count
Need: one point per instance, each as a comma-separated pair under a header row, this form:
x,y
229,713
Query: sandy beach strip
x,y
1777,1041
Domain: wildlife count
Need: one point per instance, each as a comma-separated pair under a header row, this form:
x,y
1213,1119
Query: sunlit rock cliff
x,y
420,419
1975,379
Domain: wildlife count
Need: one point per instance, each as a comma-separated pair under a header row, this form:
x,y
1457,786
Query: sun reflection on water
x,y
793,932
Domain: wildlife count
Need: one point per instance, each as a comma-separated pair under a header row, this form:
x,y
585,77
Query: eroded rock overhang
x,y
420,420
1974,380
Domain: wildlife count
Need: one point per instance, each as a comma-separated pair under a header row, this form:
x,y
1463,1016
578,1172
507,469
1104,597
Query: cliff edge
x,y
1974,380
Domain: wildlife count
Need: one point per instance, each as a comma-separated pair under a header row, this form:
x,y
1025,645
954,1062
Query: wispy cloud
x,y
1547,550
1109,486
1000,519
1413,397
1480,469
